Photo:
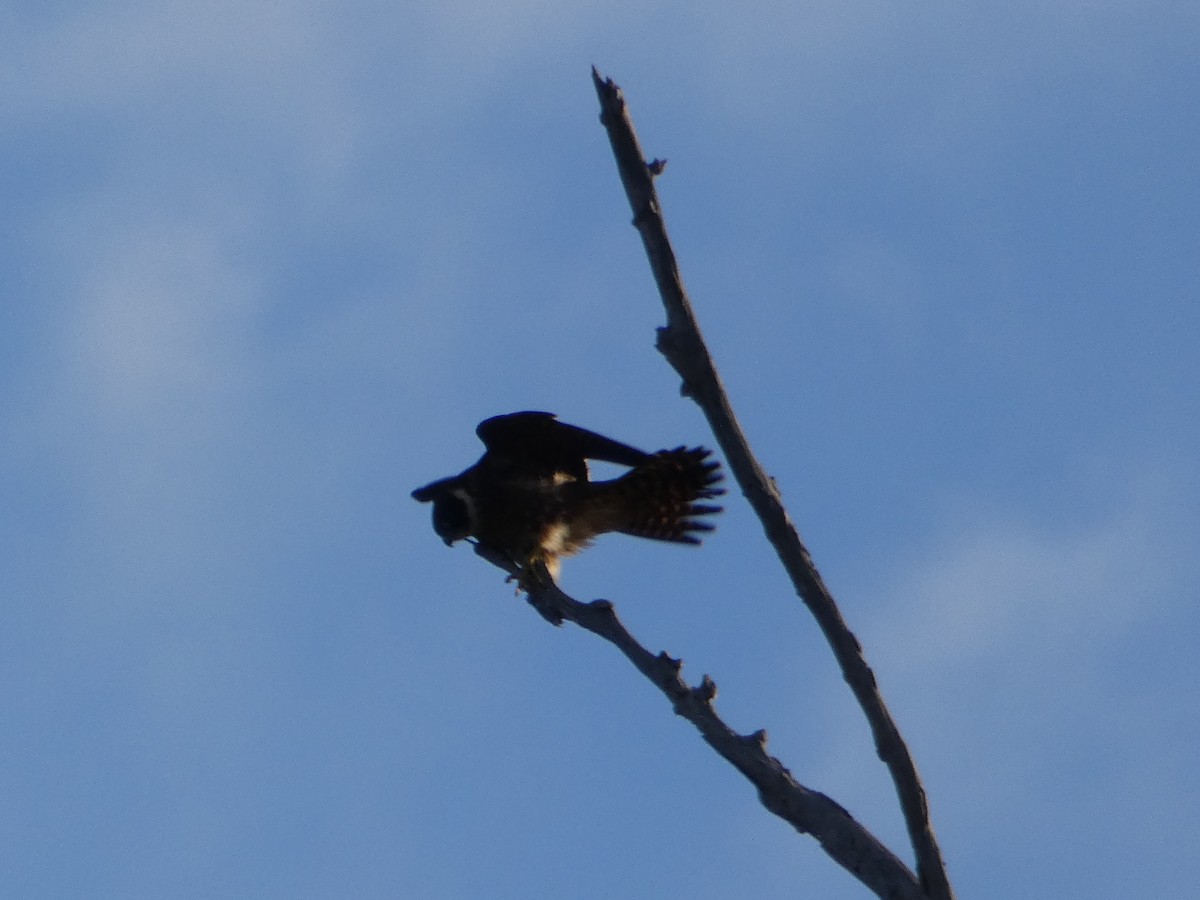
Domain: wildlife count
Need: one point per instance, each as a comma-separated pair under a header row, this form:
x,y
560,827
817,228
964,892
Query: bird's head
x,y
453,509
452,517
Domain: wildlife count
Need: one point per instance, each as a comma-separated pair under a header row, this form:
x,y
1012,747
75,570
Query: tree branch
x,y
808,811
681,343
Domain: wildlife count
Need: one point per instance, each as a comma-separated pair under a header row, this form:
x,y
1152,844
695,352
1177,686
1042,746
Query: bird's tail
x,y
662,498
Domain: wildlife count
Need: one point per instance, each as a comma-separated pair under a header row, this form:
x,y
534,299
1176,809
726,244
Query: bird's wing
x,y
539,441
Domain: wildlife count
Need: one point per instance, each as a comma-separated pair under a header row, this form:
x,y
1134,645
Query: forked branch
x,y
681,343
808,811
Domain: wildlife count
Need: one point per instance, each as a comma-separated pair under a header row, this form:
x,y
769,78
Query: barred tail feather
x,y
660,499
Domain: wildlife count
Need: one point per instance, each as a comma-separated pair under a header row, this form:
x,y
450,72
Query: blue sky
x,y
265,266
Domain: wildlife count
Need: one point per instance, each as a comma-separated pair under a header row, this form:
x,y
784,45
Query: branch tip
x,y
671,661
599,80
758,738
706,690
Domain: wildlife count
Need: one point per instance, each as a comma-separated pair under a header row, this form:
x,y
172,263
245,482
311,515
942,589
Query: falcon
x,y
529,498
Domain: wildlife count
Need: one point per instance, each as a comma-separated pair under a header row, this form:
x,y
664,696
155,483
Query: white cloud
x,y
1014,658
162,320
999,588
122,53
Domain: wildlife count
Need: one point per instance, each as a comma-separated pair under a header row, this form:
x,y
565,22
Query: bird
x,y
529,498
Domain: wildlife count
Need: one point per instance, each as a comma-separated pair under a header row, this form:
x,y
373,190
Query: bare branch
x,y
681,343
806,810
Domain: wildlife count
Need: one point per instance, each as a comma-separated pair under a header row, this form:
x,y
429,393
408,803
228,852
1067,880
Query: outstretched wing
x,y
662,499
536,442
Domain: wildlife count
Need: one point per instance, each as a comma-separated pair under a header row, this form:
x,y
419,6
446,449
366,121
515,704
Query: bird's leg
x,y
499,559
532,576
